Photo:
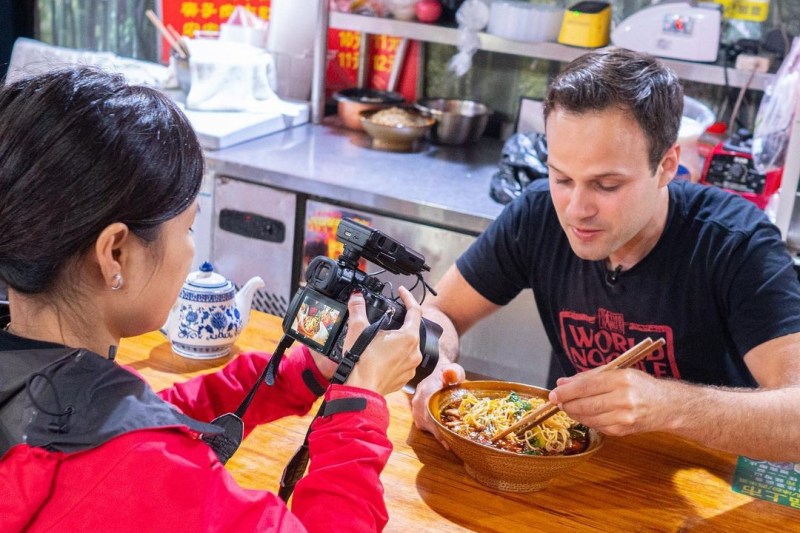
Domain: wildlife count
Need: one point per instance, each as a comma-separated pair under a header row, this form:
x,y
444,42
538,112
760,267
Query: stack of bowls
x,y
457,121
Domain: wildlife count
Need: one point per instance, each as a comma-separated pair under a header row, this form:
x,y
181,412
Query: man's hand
x,y
442,376
615,402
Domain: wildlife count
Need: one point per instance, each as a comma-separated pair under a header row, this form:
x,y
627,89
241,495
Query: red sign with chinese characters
x,y
188,17
343,58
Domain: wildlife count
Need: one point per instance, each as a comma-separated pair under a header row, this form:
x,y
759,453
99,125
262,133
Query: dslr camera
x,y
317,315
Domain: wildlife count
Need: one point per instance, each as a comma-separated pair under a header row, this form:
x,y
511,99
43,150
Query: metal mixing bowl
x,y
457,121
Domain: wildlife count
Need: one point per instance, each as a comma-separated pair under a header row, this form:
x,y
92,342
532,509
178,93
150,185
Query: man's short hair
x,y
633,81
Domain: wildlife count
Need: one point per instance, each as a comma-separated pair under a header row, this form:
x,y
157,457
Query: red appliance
x,y
730,166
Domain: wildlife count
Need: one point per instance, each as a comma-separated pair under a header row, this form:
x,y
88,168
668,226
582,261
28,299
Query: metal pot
x,y
457,121
182,73
351,102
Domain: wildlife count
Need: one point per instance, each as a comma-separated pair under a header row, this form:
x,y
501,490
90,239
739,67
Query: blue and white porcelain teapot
x,y
209,314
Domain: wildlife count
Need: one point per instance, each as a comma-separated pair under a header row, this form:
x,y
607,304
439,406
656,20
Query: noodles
x,y
480,419
397,117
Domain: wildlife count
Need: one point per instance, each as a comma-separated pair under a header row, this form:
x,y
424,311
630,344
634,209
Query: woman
x,y
98,185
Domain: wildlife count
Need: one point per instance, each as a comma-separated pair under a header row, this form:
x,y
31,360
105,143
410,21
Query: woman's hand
x,y
391,359
327,367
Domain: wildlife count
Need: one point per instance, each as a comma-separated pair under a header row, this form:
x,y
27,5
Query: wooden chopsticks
x,y
179,39
547,409
165,32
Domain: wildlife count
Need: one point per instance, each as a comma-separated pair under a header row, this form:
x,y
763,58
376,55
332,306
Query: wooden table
x,y
651,482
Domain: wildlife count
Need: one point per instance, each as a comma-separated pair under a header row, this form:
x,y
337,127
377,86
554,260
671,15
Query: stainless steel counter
x,y
442,186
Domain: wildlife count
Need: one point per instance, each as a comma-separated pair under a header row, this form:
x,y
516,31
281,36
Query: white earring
x,y
117,282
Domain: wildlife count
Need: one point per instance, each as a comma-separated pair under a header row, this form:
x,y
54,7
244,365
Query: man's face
x,y
608,200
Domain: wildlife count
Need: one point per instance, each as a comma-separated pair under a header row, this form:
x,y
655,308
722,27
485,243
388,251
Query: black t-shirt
x,y
718,283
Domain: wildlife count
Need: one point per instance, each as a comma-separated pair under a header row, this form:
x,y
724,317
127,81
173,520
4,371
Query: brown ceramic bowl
x,y
397,137
351,102
500,469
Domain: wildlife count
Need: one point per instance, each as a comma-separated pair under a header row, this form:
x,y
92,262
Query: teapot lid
x,y
206,278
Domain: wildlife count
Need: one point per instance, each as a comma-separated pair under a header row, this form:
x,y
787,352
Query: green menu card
x,y
774,482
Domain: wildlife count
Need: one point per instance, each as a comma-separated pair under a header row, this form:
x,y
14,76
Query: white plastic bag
x,y
774,118
244,27
472,17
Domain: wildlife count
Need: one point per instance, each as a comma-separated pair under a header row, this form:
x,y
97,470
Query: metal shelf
x,y
687,70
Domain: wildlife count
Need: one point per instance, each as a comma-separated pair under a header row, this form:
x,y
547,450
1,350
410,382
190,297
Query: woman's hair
x,y
628,80
81,149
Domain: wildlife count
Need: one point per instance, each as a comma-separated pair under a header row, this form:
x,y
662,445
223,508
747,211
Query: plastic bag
x,y
774,118
472,17
244,27
523,160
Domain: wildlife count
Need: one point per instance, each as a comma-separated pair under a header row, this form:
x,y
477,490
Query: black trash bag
x,y
523,160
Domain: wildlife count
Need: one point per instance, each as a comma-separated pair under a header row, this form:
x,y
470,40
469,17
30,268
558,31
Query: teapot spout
x,y
244,298
172,317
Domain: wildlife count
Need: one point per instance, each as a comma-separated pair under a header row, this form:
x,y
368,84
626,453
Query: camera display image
x,y
317,319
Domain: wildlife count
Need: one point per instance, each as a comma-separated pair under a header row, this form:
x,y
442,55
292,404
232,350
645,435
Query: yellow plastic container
x,y
727,7
753,10
586,24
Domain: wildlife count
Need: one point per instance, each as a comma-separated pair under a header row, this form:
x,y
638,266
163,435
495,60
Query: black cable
x,y
391,290
59,411
426,286
414,286
58,425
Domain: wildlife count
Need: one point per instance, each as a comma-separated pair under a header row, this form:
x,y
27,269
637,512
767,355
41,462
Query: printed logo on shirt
x,y
592,341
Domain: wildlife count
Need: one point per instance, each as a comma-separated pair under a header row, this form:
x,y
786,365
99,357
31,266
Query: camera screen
x,y
317,321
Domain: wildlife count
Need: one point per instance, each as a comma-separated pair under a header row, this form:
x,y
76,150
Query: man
x,y
615,252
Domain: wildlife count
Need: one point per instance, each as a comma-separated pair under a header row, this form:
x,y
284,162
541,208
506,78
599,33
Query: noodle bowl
x,y
464,413
481,418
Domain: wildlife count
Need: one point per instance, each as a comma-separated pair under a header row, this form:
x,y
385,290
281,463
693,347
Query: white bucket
x,y
292,28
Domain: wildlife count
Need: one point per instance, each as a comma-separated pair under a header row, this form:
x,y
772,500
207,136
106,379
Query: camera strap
x,y
268,375
350,357
226,443
296,467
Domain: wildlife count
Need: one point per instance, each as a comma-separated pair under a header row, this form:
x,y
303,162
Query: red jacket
x,y
167,479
